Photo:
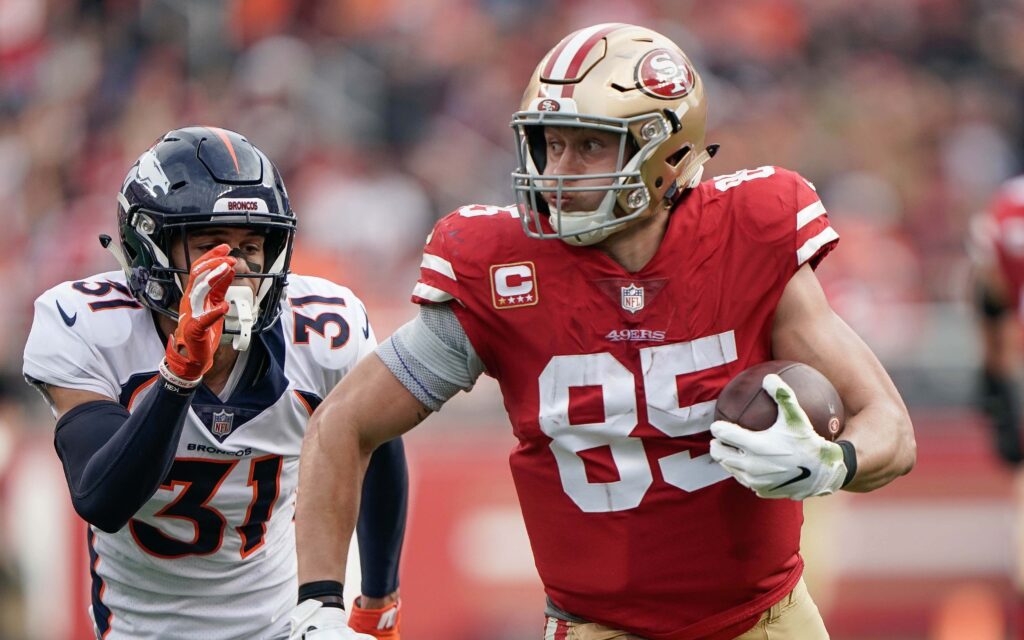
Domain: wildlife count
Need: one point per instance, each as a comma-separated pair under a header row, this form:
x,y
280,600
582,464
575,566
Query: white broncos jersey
x,y
212,554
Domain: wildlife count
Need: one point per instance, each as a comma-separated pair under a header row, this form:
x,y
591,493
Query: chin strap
x,y
696,172
686,181
697,168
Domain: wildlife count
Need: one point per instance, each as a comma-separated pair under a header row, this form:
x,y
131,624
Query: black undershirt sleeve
x,y
114,460
382,513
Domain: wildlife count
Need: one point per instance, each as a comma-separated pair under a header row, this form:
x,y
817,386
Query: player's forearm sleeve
x,y
381,525
114,461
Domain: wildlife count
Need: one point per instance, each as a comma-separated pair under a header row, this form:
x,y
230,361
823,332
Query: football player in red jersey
x,y
997,243
634,295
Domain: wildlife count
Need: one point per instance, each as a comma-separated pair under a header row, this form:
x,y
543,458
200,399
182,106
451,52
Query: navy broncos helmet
x,y
201,177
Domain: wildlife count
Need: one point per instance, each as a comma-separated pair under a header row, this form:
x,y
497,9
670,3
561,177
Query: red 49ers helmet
x,y
622,79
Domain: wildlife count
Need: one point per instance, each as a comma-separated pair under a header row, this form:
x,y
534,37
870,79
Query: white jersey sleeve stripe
x,y
809,213
804,253
438,264
428,292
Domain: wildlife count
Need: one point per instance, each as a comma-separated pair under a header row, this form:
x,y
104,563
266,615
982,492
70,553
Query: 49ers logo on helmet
x,y
548,104
664,74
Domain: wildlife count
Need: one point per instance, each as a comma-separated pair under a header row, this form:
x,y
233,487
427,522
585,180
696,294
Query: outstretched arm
x,y
426,362
368,407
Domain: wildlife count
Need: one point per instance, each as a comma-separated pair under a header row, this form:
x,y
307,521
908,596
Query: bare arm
x,y
806,329
368,407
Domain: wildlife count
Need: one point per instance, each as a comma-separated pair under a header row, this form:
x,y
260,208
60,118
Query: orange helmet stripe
x,y
220,133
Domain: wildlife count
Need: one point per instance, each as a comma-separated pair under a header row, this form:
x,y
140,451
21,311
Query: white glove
x,y
311,620
788,459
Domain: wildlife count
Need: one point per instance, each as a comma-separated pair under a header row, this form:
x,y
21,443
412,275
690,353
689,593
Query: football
x,y
744,402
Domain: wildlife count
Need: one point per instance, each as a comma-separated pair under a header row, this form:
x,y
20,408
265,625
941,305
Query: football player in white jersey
x,y
182,386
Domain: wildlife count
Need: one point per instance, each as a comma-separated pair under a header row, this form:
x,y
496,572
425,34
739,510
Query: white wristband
x,y
175,380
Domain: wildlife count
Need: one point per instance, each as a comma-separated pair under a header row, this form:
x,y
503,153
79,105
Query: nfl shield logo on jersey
x,y
632,298
222,422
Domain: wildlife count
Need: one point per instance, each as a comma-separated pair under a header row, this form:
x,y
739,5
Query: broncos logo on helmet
x,y
149,174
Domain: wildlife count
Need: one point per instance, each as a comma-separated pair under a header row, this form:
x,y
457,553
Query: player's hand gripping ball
x,y
745,402
772,445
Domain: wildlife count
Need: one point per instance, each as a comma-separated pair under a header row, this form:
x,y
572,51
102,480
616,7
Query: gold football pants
x,y
795,617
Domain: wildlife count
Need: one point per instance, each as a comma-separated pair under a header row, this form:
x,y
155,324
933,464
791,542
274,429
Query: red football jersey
x,y
610,379
1003,234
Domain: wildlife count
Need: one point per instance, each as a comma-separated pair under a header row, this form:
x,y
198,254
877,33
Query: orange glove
x,y
383,624
190,350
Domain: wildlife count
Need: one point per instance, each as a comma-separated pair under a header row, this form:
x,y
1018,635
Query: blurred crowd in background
x,y
383,115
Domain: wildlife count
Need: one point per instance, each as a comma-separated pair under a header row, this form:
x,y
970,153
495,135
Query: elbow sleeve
x,y
432,356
